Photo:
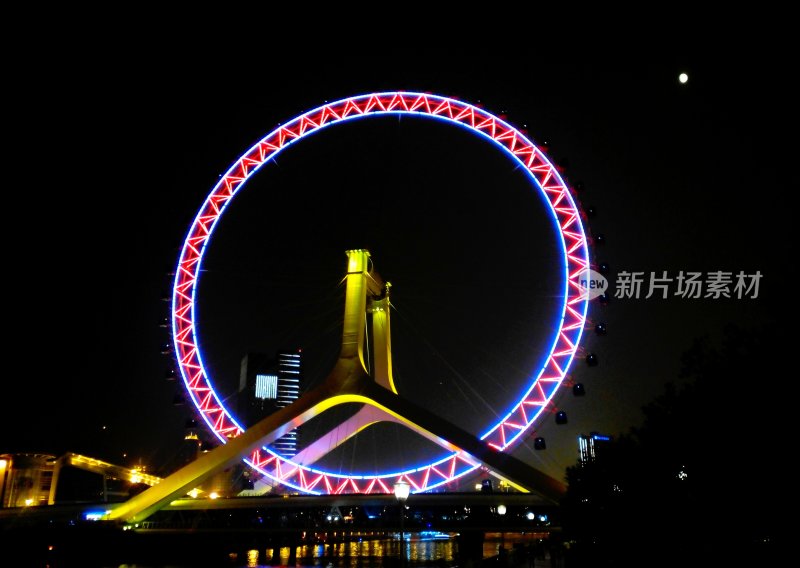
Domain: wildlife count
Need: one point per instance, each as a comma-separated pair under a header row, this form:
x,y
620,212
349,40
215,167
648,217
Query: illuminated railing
x,y
116,471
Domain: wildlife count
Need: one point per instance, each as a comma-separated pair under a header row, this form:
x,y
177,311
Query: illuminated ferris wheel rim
x,y
523,413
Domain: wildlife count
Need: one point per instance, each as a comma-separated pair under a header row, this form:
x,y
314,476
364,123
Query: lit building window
x,y
267,387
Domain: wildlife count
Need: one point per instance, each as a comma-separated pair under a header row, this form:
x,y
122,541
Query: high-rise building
x,y
587,446
267,384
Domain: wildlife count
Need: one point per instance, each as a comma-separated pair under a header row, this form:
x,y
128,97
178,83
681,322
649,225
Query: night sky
x,y
108,165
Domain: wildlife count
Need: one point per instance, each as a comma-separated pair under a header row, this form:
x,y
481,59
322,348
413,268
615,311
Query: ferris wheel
x,y
527,406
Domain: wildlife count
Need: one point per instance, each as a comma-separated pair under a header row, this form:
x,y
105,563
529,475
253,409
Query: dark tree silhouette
x,y
702,480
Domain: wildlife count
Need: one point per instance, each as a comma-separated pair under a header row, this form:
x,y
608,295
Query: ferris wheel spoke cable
x,y
541,458
476,346
460,380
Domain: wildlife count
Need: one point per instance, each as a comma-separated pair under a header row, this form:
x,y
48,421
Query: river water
x,y
420,549
220,550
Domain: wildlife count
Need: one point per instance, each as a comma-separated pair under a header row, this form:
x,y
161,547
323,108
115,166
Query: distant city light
x,y
530,516
28,502
501,509
213,495
683,78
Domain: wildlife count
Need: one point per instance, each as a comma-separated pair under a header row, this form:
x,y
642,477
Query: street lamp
x,y
501,510
401,491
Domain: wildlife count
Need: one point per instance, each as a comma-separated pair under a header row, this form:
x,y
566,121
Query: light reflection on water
x,y
364,553
356,554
